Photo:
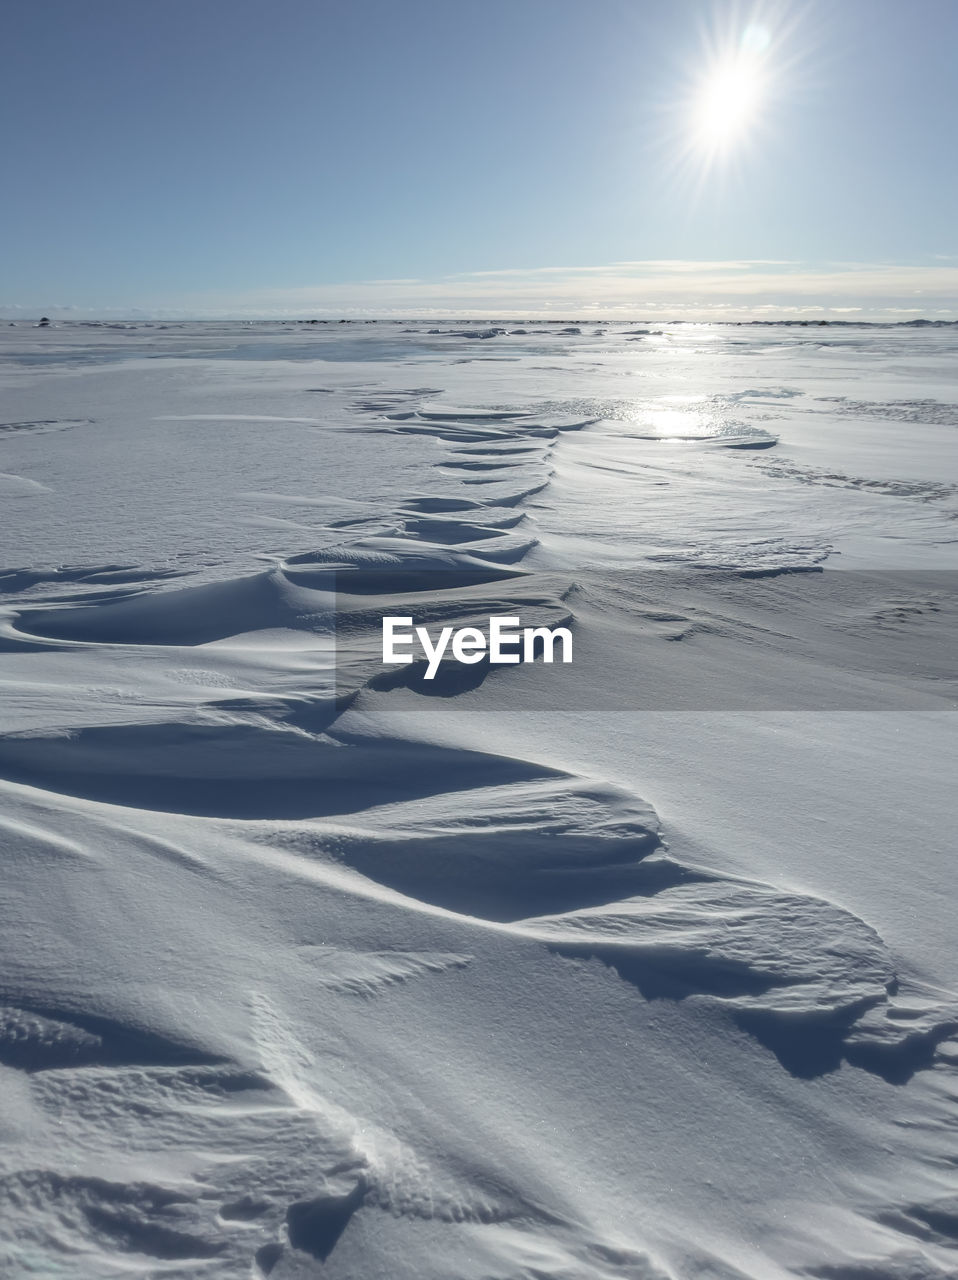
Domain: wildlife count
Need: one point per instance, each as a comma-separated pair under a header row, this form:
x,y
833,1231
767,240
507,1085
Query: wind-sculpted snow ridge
x,y
308,1174
313,967
921,410
42,426
24,580
811,982
922,490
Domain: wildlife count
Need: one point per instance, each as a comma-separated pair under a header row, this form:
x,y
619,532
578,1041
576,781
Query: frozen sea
x,y
637,968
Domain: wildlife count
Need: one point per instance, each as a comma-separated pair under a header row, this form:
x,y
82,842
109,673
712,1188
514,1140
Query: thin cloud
x,y
674,288
678,265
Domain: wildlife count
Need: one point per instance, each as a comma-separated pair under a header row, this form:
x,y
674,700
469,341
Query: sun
x,y
729,101
729,97
723,106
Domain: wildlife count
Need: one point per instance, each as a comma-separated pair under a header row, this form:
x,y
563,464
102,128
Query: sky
x,y
690,159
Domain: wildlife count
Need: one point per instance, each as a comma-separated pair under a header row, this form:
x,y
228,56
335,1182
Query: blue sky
x,y
507,157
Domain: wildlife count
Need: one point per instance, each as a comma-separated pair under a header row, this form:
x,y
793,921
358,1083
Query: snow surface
x,y
638,969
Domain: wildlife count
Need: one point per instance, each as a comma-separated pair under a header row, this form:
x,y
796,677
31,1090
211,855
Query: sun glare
x,y
730,95
729,100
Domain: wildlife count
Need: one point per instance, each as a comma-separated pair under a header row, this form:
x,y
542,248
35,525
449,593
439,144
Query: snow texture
x,y
641,969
